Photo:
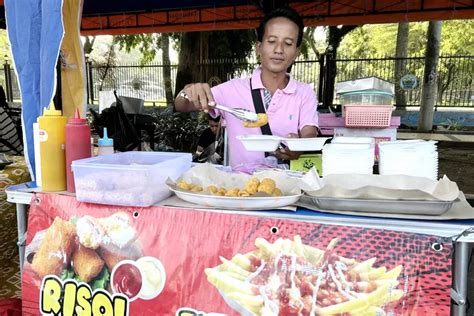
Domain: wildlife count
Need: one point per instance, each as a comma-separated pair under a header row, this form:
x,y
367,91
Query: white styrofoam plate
x,y
260,142
236,203
305,144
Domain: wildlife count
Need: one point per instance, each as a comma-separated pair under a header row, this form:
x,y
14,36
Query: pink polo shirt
x,y
289,111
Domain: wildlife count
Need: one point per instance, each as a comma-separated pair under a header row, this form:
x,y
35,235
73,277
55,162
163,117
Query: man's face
x,y
214,126
278,47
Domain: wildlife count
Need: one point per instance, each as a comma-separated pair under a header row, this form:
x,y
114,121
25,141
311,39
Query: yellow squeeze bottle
x,y
52,126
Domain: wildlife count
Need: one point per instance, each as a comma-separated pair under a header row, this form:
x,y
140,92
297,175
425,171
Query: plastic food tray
x,y
383,206
134,178
375,116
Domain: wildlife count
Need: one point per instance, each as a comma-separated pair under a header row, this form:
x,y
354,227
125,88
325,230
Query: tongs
x,y
241,114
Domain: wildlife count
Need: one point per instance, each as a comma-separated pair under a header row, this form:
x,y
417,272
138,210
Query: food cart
x,y
195,260
190,258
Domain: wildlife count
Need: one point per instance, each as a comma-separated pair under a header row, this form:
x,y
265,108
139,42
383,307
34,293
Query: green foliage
x,y
380,39
457,37
454,125
148,45
177,131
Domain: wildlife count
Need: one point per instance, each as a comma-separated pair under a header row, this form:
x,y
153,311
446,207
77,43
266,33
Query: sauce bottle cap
x,y
77,118
52,111
105,141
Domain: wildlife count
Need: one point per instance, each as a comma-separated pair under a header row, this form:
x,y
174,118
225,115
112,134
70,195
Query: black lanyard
x,y
259,108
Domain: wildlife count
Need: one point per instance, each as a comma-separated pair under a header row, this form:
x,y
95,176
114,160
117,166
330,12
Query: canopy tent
x,y
144,16
32,24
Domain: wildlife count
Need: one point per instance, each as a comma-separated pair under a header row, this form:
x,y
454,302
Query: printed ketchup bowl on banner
x,y
127,279
144,278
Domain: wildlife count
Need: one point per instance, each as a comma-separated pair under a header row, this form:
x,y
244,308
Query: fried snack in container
x,y
87,263
212,188
55,250
183,185
276,192
232,192
195,188
262,119
243,193
288,277
267,185
251,185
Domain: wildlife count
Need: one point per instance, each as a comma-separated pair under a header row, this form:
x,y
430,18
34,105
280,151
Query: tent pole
x,y
58,102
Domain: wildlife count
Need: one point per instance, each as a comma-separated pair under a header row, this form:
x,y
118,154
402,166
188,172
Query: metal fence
x,y
455,81
144,82
455,77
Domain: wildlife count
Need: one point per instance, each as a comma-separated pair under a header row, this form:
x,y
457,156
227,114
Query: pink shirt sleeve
x,y
218,92
308,110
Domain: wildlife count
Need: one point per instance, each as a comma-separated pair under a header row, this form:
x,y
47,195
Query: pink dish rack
x,y
369,116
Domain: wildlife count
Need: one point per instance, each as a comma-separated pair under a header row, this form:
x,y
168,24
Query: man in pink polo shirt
x,y
289,104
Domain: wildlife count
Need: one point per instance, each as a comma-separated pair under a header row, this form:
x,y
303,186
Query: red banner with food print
x,y
87,259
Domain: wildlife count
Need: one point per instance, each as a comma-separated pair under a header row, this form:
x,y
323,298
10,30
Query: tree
x,y
89,44
188,61
231,45
335,36
430,86
401,53
149,44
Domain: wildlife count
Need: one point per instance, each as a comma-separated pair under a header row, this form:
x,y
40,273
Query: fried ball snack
x,y
251,185
87,263
243,193
232,192
183,185
112,254
288,277
55,250
267,185
262,119
195,188
212,189
276,192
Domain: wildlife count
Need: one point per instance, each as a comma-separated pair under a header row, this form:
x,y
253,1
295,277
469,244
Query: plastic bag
x,y
118,126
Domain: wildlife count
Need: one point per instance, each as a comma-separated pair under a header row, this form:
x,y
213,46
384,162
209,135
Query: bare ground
x,y
456,160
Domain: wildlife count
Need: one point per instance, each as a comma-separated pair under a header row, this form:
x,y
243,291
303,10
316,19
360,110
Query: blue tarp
x,y
35,30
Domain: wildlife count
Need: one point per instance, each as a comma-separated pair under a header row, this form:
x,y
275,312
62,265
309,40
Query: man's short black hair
x,y
215,119
285,12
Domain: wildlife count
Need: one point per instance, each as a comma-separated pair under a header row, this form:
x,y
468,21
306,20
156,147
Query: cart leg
x,y
21,225
459,288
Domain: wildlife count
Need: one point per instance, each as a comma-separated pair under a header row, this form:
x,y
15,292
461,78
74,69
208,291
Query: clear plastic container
x,y
367,97
130,178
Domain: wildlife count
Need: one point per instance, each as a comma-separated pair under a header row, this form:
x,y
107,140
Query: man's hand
x,y
285,153
194,97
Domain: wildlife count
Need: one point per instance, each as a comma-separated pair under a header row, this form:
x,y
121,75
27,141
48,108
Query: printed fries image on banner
x,y
290,278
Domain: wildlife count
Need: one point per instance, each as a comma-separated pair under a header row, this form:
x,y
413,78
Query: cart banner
x,y
88,259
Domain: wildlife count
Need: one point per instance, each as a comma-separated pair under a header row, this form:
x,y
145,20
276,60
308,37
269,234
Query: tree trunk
x,y
89,44
401,53
188,67
165,41
430,77
335,36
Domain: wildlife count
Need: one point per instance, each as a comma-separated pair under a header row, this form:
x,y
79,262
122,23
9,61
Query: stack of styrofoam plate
x,y
348,158
409,157
352,140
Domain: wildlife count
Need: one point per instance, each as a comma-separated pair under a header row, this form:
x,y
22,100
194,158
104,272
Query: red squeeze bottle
x,y
78,145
